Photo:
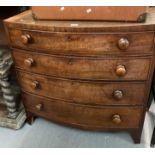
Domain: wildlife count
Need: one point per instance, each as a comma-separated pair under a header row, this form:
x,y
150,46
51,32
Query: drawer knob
x,y
39,106
116,119
26,38
120,70
29,62
35,84
118,94
123,43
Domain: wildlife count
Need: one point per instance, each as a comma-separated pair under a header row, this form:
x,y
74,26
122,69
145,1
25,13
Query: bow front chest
x,y
91,75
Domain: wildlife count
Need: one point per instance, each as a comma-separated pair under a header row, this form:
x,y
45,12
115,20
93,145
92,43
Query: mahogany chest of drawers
x,y
91,75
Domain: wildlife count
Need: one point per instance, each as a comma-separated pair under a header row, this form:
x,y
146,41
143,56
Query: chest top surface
x,y
25,21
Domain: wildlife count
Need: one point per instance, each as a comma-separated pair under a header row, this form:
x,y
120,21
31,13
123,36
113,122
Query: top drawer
x,y
82,43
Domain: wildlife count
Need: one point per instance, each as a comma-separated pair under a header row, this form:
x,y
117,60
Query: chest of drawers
x,y
91,75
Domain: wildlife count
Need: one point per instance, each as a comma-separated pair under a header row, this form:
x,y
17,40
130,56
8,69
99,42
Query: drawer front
x,y
113,93
118,68
82,43
93,117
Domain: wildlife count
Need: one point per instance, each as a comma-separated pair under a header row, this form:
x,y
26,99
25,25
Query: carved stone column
x,y
9,96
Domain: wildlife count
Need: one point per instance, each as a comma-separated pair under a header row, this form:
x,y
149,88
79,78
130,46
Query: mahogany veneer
x,y
91,75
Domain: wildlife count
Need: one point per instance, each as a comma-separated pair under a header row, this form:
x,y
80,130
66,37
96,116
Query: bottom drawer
x,y
84,116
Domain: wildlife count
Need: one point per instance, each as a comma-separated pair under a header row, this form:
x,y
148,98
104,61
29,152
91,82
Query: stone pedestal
x,y
12,112
13,123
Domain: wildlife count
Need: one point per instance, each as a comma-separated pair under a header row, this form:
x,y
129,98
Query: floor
x,y
49,135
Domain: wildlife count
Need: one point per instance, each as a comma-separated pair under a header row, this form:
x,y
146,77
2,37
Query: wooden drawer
x,y
89,117
102,68
82,43
86,92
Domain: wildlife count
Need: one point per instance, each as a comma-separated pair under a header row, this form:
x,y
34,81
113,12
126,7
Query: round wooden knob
x,y
123,43
26,38
116,119
29,62
35,84
120,70
118,94
39,107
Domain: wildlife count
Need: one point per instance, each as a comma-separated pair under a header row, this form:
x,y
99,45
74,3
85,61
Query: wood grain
x,y
85,92
88,117
102,68
82,44
26,21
